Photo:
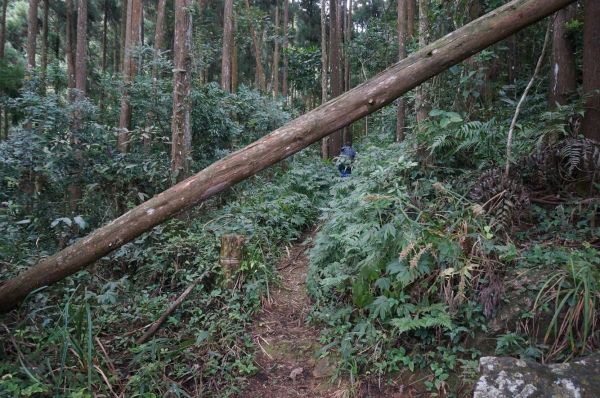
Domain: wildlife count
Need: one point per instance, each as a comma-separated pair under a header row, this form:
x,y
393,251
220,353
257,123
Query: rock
x,y
295,373
511,378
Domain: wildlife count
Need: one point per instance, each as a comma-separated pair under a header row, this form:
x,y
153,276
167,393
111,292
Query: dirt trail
x,y
286,359
288,366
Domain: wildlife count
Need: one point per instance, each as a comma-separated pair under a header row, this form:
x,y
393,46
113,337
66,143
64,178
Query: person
x,y
345,160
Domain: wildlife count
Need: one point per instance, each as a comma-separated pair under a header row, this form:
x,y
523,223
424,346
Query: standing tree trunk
x,y
227,45
280,144
32,27
286,20
180,124
421,97
276,55
70,47
133,36
81,62
335,140
513,58
261,80
123,26
401,113
591,69
234,60
410,18
104,37
74,189
159,33
347,39
563,78
3,110
3,28
45,44
324,64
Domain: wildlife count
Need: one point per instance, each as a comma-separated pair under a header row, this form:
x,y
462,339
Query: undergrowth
x,y
83,343
408,274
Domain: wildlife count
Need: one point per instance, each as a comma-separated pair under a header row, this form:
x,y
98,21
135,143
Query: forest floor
x,y
288,344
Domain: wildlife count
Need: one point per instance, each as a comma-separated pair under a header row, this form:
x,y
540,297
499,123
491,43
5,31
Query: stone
x,y
516,378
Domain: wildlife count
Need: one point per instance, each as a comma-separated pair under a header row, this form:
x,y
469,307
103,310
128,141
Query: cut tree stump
x,y
232,248
283,142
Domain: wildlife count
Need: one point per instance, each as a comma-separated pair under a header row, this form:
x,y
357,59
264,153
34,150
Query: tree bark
x,y
347,139
44,59
421,97
70,47
133,36
3,27
335,38
227,44
410,18
276,56
286,21
234,62
261,81
324,64
283,142
591,69
32,27
104,37
81,62
180,122
401,111
563,77
159,34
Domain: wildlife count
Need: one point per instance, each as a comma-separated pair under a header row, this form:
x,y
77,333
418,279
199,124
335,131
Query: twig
x,y
513,123
156,325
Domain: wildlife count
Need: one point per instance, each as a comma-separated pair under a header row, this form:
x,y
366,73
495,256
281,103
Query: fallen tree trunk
x,y
285,141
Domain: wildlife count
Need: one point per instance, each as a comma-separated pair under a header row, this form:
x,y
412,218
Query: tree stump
x,y
231,256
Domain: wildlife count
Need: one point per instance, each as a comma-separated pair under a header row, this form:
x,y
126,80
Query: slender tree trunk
x,y
401,112
563,77
591,69
132,39
159,33
411,6
227,45
81,62
421,97
284,82
276,55
513,58
282,143
70,47
261,81
32,28
45,44
105,37
180,124
324,63
335,140
116,49
3,27
347,75
125,4
234,62
3,110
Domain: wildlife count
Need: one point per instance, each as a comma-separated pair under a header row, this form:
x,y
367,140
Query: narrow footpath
x,y
287,362
288,344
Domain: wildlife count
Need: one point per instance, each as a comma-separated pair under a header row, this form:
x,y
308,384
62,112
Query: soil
x,y
288,344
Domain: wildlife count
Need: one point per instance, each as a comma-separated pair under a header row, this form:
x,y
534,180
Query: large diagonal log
x,y
283,142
